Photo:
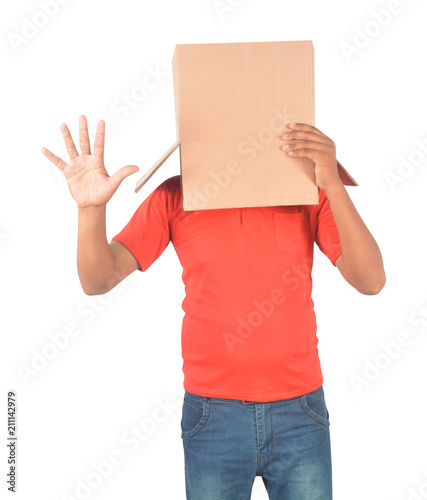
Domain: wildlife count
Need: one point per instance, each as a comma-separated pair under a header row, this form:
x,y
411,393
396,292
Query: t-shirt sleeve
x,y
327,237
147,234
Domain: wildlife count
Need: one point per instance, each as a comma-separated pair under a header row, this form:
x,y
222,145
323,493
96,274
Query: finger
x,y
54,159
121,174
306,152
303,144
305,127
69,143
84,136
301,134
98,147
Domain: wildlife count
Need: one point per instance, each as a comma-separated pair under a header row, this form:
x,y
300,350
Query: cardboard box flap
x,y
346,178
155,167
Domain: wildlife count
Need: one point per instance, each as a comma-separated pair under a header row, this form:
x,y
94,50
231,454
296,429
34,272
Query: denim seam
x,y
271,447
207,420
197,409
308,414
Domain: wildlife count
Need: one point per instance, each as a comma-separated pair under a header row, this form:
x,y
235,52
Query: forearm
x,y
95,261
361,256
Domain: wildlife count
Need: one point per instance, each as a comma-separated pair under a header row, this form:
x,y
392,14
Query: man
x,y
254,401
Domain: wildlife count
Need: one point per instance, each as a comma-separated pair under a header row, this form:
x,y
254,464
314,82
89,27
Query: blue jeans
x,y
228,442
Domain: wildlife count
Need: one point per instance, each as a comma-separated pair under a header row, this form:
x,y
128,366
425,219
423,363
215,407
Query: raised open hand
x,y
87,178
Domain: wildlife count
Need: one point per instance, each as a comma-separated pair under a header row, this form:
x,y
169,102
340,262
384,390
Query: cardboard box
x,y
232,103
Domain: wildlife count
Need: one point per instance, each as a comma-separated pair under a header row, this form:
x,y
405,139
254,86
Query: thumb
x,y
121,174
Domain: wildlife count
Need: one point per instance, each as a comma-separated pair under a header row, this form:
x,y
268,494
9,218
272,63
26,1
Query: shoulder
x,y
168,188
172,183
168,194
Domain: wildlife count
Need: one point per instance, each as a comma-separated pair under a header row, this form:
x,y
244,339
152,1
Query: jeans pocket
x,y
195,413
314,405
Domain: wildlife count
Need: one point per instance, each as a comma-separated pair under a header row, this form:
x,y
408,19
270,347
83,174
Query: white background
x,y
125,362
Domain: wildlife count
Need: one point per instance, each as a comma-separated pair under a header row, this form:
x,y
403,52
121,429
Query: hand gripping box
x,y
232,103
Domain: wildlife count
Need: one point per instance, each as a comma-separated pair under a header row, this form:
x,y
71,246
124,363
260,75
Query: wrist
x,y
336,186
91,208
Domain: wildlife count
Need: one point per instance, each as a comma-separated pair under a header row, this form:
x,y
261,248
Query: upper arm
x,y
124,262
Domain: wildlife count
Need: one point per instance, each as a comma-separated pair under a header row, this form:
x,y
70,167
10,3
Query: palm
x,y
88,181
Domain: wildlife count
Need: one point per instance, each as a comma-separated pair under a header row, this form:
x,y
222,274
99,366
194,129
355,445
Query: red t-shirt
x,y
249,328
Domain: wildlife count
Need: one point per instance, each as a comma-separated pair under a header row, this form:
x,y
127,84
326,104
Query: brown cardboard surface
x,y
232,103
